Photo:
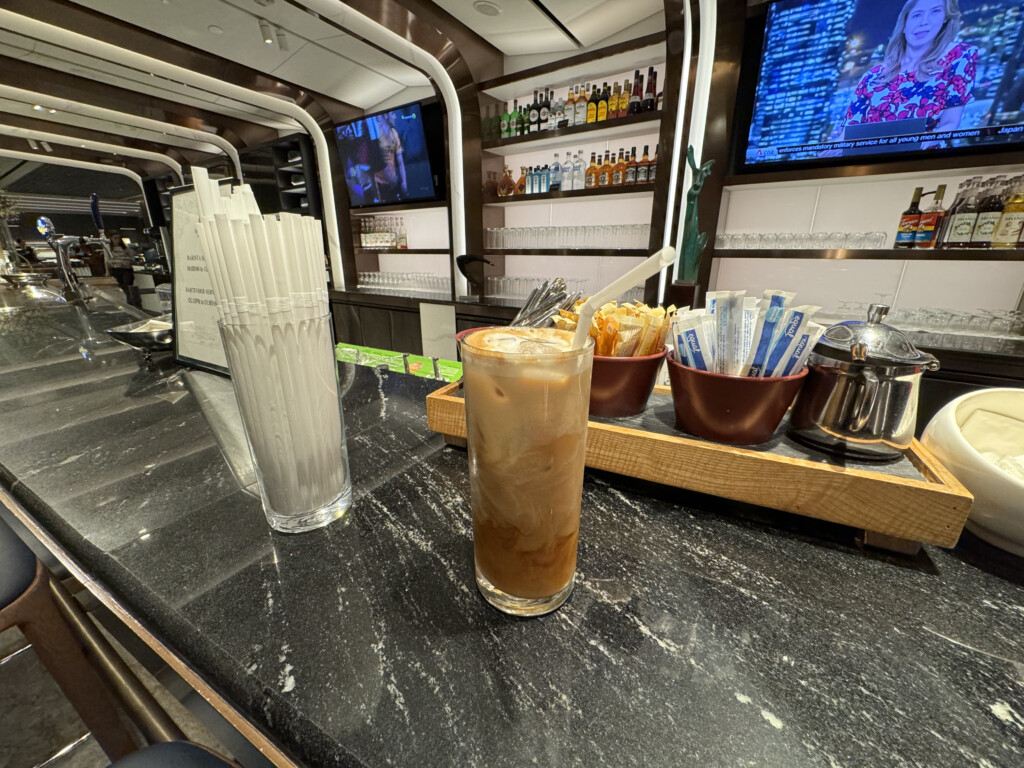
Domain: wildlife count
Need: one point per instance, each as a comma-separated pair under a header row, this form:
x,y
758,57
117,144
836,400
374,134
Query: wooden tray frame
x,y
895,512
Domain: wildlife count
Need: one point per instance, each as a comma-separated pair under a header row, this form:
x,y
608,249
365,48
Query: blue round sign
x,y
44,226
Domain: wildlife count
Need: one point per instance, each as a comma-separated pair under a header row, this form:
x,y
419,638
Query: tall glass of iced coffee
x,y
527,393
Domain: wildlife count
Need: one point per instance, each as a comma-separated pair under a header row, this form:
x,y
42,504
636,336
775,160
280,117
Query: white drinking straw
x,y
636,276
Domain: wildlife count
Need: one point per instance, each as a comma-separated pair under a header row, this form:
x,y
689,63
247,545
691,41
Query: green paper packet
x,y
418,364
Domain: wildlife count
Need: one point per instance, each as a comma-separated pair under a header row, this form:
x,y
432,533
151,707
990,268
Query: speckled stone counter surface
x,y
700,632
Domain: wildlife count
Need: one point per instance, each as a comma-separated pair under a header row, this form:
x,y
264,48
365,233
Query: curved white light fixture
x,y
52,160
403,49
701,91
669,273
123,118
99,146
40,30
62,119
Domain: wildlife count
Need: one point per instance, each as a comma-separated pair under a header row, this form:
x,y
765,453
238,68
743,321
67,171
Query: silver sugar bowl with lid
x,y
860,396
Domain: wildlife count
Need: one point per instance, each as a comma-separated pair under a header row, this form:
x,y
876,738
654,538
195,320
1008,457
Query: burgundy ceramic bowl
x,y
621,386
738,410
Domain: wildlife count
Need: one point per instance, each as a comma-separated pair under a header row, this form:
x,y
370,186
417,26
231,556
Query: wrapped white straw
x,y
637,275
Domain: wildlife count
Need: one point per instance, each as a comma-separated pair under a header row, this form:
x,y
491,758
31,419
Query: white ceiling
x,y
521,28
93,68
319,57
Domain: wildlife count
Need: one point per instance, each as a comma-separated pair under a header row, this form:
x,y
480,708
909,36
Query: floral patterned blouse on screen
x,y
906,97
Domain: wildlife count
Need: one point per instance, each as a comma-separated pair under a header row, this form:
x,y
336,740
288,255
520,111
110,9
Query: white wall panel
x,y
961,285
825,283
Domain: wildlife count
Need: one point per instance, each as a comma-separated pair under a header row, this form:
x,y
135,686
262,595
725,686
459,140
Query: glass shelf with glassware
x,y
586,240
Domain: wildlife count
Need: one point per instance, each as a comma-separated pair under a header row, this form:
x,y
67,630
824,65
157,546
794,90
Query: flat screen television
x,y
847,80
394,156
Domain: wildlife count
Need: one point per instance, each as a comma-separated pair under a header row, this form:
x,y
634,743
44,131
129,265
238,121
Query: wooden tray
x,y
914,500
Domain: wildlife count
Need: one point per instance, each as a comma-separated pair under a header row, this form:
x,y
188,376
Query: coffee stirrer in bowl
x,y
635,277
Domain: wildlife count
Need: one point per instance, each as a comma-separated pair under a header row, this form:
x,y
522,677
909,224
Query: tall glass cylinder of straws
x,y
286,382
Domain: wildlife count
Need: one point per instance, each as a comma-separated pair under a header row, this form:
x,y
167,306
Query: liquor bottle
x,y
506,185
545,111
556,175
493,184
558,115
533,114
958,200
579,172
604,175
595,96
661,100
544,180
567,176
495,131
602,104
520,188
1011,223
631,168
637,97
592,171
582,106
906,233
652,169
403,235
570,109
989,212
650,100
503,125
613,101
962,221
514,118
485,124
643,167
931,221
619,170
623,106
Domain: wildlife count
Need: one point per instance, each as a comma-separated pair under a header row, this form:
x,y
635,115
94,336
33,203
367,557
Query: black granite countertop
x,y
700,632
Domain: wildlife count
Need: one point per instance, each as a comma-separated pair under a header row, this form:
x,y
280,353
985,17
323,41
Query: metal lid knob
x,y
873,341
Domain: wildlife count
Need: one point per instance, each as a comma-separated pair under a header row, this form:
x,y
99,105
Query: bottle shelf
x,y
378,210
620,128
293,168
621,57
568,251
894,254
361,249
294,191
605,193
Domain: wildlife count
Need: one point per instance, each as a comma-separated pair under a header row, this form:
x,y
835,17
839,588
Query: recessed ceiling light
x,y
214,29
53,111
37,107
266,32
487,8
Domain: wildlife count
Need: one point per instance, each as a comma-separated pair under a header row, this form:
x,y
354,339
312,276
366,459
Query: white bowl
x,y
993,420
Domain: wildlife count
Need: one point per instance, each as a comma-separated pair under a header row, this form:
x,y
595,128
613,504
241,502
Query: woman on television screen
x,y
926,77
